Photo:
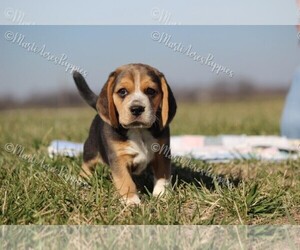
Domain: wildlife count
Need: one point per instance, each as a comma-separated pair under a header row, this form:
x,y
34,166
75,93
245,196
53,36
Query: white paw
x,y
134,200
160,187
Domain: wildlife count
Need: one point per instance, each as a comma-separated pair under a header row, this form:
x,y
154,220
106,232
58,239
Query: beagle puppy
x,y
135,107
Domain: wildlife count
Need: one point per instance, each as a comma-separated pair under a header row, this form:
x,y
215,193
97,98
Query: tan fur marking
x,y
165,102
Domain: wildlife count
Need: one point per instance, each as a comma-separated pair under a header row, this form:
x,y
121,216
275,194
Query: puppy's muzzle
x,y
137,110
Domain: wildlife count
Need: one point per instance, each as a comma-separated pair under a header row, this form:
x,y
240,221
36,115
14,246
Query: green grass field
x,y
40,192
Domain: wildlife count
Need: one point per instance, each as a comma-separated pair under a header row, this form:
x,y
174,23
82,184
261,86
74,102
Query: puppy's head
x,y
136,96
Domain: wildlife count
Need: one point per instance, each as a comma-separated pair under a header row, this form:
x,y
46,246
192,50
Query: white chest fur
x,y
140,141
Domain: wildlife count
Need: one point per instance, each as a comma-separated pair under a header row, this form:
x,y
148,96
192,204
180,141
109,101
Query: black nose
x,y
137,110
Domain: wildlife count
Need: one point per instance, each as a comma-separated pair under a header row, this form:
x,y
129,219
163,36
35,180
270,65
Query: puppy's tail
x,y
87,94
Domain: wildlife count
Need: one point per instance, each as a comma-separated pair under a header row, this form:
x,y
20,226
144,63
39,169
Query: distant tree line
x,y
221,91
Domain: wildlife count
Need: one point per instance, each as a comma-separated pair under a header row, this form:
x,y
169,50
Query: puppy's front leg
x,y
124,184
162,172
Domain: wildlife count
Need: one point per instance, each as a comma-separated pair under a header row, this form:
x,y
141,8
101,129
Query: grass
x,y
40,192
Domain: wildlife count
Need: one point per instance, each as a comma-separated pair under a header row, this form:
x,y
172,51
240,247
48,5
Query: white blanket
x,y
211,148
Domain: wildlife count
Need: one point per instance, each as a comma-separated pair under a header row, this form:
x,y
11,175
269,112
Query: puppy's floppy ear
x,y
105,104
168,104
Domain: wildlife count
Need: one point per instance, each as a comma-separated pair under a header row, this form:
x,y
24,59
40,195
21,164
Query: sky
x,y
237,12
262,52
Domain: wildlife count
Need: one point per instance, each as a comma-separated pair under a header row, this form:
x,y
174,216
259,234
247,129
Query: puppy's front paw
x,y
160,187
132,200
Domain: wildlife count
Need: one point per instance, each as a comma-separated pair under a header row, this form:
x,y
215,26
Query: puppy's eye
x,y
122,92
150,91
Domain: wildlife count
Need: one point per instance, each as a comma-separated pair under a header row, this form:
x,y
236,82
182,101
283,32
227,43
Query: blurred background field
x,y
257,116
268,193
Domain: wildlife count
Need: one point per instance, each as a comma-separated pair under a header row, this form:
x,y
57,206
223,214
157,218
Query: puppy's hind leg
x,y
91,157
88,167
